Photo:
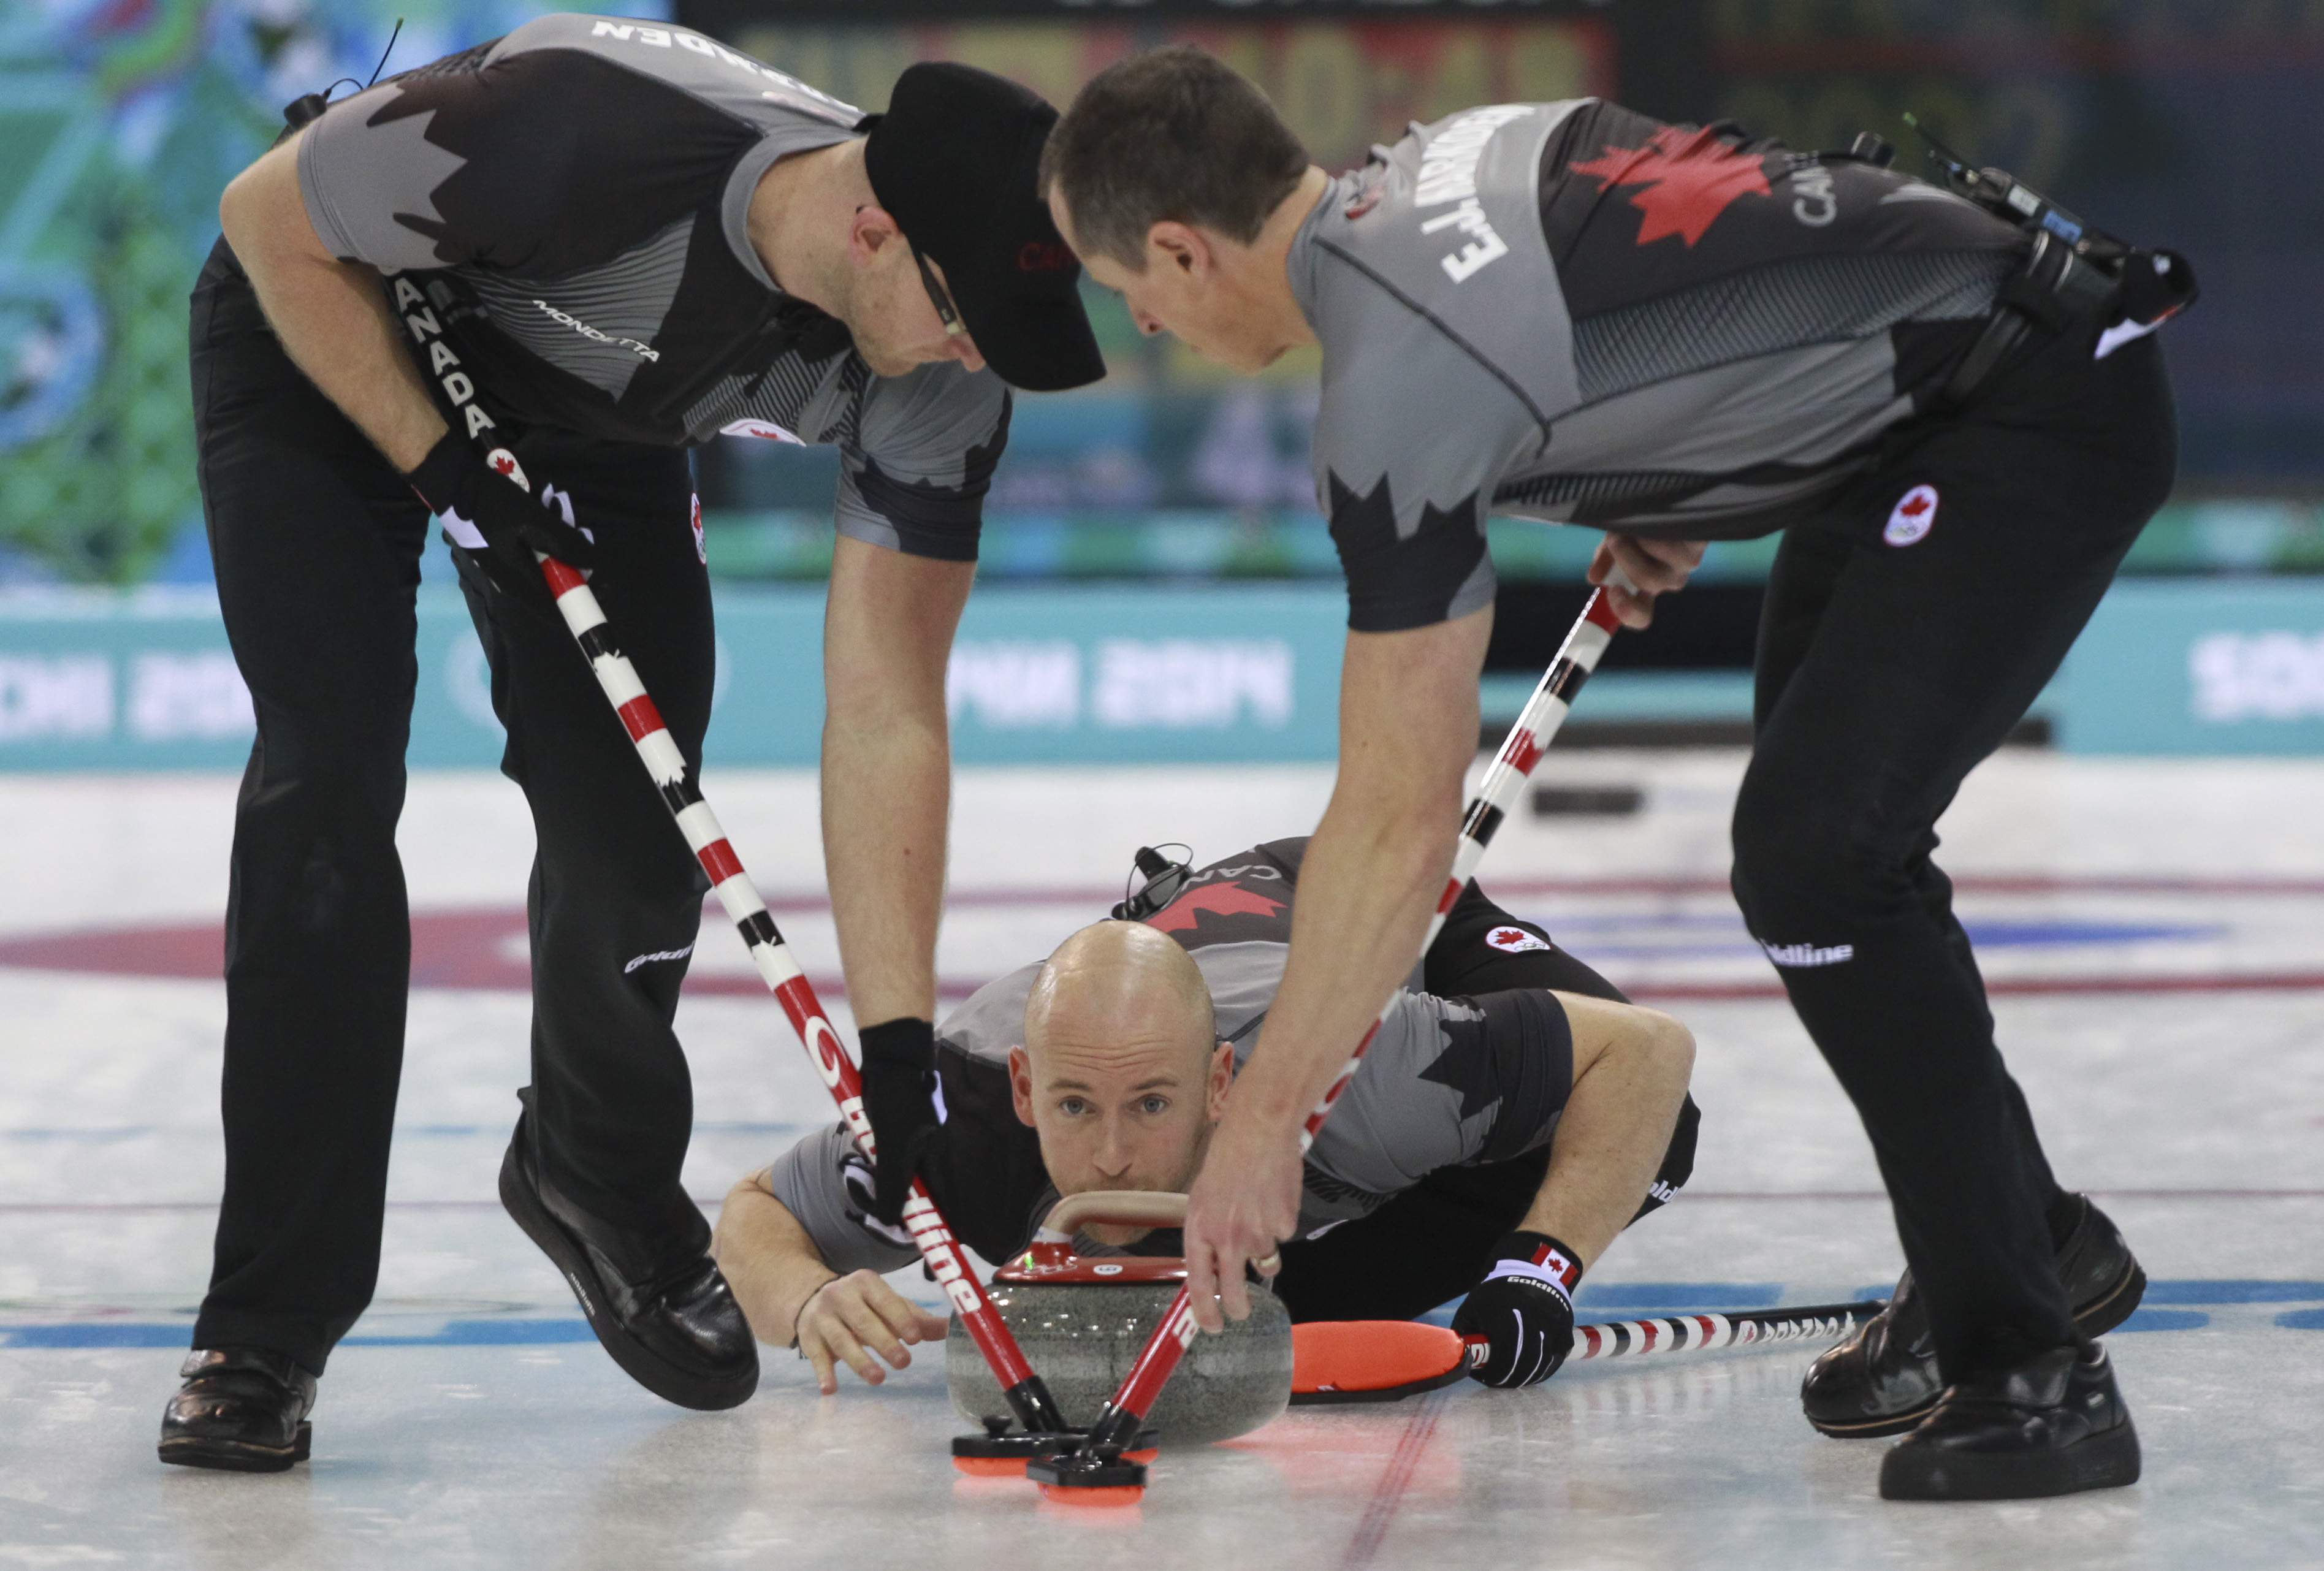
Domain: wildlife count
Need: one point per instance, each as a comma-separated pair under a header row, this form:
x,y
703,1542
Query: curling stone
x,y
1081,1322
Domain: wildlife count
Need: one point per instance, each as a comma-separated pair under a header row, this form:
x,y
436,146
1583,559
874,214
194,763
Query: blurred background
x,y
1156,582
1153,654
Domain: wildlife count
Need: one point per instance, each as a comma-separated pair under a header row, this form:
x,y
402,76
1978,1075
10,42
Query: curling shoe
x,y
2052,1425
655,1300
241,1409
1884,1380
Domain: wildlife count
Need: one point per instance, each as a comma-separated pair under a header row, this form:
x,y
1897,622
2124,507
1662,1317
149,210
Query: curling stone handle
x,y
1116,1208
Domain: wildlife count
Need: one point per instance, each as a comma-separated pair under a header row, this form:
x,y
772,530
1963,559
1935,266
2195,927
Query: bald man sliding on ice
x,y
1513,1117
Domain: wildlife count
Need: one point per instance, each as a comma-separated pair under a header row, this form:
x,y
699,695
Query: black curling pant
x,y
1887,671
1431,1243
317,542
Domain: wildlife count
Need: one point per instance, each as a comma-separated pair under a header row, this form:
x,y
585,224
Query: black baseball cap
x,y
954,161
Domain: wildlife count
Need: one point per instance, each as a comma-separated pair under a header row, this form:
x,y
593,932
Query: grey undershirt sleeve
x,y
824,1182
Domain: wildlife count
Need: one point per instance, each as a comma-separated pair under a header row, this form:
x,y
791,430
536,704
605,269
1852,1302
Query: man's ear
x,y
1222,1082
1055,198
870,232
1180,246
1020,1085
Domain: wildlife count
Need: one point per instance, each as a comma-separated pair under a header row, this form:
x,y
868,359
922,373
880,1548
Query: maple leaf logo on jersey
x,y
1912,517
1689,180
501,460
1225,899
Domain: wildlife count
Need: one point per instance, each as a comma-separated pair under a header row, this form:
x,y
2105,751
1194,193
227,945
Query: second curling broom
x,y
1374,1361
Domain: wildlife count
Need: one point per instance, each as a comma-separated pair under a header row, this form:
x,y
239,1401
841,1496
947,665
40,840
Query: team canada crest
x,y
1514,940
503,461
1912,517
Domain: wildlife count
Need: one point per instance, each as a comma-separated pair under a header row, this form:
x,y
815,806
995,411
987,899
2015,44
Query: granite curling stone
x,y
1081,1320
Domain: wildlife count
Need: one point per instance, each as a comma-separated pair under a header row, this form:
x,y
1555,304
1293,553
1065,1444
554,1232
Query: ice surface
x,y
466,1423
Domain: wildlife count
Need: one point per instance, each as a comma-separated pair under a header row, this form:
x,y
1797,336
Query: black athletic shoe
x,y
1883,1380
2053,1425
656,1299
241,1409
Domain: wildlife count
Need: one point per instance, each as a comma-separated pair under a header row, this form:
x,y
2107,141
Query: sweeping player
x,y
1570,312
1513,1116
510,288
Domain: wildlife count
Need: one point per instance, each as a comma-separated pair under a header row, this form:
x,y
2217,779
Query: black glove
x,y
1525,1305
900,1087
496,499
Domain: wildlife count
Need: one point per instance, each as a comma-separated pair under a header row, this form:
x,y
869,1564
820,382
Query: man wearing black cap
x,y
508,289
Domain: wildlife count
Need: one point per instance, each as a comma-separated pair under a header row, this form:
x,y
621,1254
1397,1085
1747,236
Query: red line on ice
x,y
1388,1493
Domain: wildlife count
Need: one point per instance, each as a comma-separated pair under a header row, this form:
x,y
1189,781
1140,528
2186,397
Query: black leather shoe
x,y
655,1300
1883,1380
241,1409
2053,1425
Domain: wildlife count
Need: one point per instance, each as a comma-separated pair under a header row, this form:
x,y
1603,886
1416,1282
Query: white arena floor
x,y
2154,933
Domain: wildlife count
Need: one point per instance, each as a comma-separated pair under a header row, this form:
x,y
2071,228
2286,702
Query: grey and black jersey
x,y
1448,1081
1572,313
564,211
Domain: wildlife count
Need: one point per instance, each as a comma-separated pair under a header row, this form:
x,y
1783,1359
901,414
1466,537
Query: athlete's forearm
x,y
1366,888
1631,1066
1377,864
331,316
768,1260
887,770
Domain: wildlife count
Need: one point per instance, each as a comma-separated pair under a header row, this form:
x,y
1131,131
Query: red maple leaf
x,y
1689,180
1914,506
1225,899
1507,934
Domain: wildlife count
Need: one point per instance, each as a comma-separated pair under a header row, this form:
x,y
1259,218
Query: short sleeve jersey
x,y
1572,313
1439,1088
564,212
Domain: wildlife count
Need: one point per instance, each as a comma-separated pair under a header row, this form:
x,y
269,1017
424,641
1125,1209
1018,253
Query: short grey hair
x,y
1173,135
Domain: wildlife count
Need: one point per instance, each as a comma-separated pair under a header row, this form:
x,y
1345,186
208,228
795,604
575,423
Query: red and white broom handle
x,y
1706,1333
659,750
1543,713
